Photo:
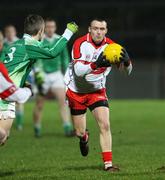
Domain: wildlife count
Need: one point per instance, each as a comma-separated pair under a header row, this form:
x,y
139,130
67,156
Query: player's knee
x,y
105,127
3,136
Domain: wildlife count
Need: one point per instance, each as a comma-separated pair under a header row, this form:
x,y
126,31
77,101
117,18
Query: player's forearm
x,y
81,69
61,43
67,34
21,95
128,68
58,47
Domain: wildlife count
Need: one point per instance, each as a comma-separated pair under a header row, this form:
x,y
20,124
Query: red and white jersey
x,y
80,77
8,91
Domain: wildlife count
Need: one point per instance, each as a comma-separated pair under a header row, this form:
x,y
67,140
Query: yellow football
x,y
112,53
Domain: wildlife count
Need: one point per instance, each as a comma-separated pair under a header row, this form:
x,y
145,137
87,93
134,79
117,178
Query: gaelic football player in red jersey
x,y
85,80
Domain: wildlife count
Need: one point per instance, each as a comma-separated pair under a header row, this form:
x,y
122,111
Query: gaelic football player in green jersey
x,y
20,57
53,81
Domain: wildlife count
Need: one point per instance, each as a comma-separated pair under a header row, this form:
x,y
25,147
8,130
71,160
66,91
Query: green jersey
x,y
7,43
20,56
58,63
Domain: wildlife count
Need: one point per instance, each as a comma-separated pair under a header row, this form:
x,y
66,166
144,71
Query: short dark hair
x,y
97,19
33,23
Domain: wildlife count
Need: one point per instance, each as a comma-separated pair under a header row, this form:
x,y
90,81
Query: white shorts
x,y
7,110
52,81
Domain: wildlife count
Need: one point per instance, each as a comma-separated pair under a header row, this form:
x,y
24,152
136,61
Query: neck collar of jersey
x,y
89,39
29,40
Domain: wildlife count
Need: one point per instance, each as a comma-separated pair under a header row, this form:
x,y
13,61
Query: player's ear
x,y
106,31
89,29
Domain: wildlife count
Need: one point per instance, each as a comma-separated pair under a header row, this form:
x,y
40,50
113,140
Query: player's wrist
x,y
127,63
67,34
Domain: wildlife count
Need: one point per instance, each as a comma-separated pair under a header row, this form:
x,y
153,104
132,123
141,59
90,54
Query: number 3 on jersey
x,y
10,54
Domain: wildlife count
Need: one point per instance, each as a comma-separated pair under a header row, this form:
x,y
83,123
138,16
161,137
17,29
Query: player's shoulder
x,y
80,40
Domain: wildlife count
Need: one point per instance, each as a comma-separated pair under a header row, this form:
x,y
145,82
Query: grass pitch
x,y
138,129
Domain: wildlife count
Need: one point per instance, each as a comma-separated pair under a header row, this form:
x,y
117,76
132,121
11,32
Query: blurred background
x,y
137,25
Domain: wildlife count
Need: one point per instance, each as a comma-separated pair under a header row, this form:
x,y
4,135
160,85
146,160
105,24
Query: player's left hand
x,y
72,26
125,57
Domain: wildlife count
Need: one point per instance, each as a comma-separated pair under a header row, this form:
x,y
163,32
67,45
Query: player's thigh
x,y
101,114
40,101
6,124
60,94
79,121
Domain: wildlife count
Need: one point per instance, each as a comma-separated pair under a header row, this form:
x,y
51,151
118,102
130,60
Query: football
x,y
113,53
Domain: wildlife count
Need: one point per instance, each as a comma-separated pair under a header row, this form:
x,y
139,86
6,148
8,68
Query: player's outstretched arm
x,y
41,52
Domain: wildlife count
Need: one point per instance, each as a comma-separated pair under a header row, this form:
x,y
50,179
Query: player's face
x,y
50,28
98,30
10,33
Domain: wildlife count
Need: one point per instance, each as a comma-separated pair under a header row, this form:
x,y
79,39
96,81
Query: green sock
x,y
19,119
67,128
37,129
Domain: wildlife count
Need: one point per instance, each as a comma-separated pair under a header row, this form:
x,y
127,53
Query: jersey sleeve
x,y
21,95
41,52
80,64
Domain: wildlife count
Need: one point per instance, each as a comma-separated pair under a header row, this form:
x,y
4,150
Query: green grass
x,y
138,129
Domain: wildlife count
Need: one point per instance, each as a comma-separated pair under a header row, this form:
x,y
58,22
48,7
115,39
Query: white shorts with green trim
x,y
53,80
7,110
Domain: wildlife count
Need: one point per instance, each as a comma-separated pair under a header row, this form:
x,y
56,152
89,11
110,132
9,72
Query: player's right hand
x,y
102,62
72,26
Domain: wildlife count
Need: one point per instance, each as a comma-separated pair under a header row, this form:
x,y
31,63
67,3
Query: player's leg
x,y
5,126
58,90
78,114
79,122
101,114
19,116
59,93
39,103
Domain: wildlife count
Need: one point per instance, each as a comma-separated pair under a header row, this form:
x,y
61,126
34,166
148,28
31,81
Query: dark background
x,y
137,25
